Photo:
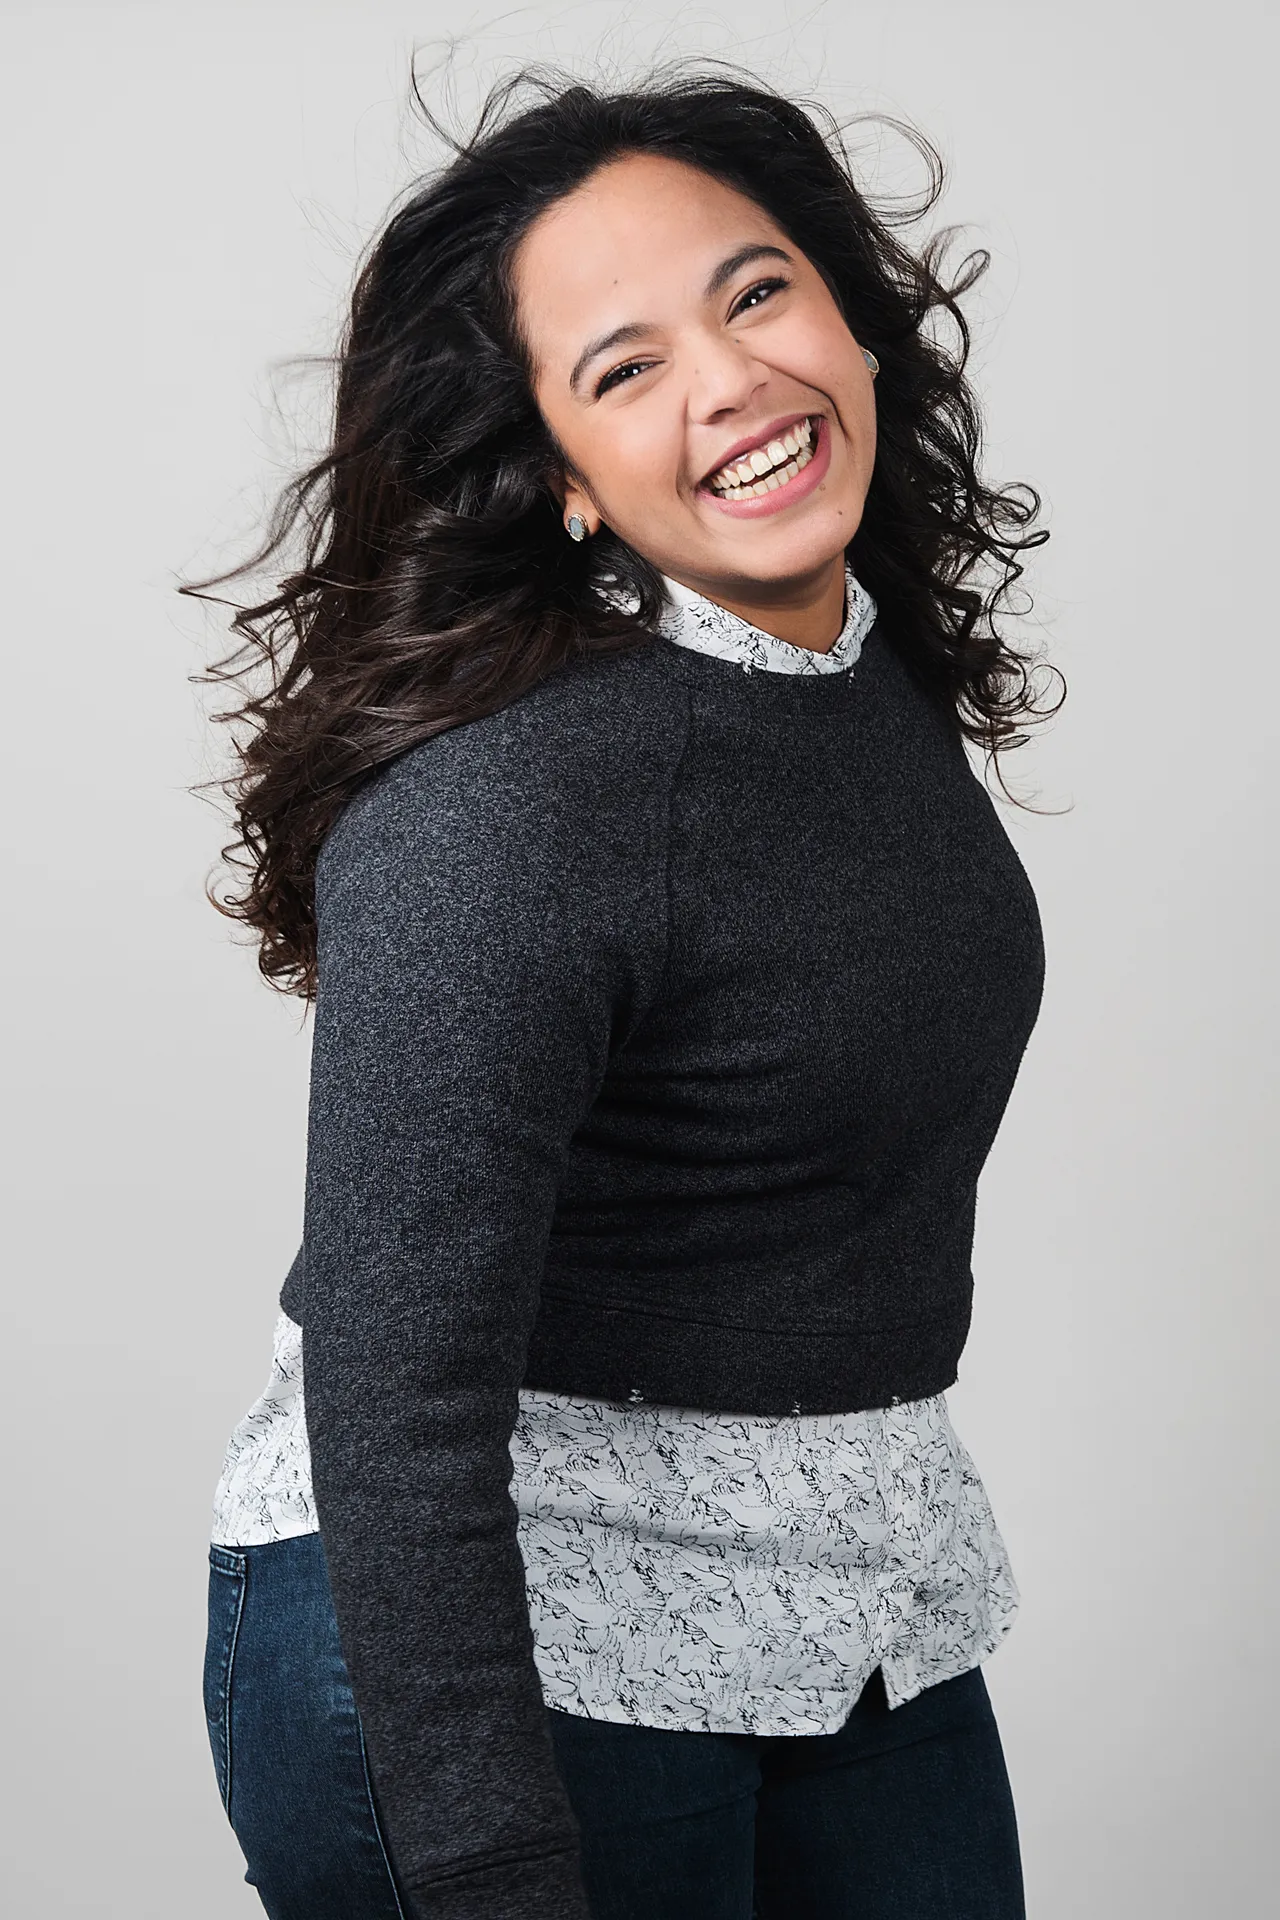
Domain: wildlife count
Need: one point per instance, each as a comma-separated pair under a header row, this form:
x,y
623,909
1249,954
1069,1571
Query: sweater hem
x,y
631,1357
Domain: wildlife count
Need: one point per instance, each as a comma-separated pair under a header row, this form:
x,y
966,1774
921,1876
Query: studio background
x,y
187,186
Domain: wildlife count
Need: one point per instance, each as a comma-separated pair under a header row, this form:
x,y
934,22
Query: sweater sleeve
x,y
488,927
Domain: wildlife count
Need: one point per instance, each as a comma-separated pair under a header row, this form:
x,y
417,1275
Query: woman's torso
x,y
697,1568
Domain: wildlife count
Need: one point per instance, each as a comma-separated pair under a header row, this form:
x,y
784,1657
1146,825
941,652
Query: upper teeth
x,y
779,460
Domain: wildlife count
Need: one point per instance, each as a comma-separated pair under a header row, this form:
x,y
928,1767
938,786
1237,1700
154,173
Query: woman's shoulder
x,y
590,749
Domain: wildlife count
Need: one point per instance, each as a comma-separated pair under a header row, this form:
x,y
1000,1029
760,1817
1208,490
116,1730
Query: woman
x,y
672,972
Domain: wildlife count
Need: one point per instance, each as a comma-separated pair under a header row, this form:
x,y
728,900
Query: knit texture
x,y
587,1116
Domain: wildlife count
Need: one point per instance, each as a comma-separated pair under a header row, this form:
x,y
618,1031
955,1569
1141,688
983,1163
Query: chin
x,y
791,552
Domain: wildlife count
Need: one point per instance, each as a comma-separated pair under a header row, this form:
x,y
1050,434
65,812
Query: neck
x,y
808,611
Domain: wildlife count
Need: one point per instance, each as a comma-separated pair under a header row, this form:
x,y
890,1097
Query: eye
x,y
760,291
615,374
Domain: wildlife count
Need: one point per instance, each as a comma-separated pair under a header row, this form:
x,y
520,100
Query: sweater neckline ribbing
x,y
762,691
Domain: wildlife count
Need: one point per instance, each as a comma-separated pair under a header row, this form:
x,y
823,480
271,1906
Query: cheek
x,y
633,461
841,371
823,352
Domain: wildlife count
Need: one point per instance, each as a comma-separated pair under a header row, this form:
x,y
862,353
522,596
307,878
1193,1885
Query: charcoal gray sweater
x,y
587,1116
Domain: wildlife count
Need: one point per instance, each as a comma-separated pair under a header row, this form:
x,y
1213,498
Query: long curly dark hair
x,y
436,584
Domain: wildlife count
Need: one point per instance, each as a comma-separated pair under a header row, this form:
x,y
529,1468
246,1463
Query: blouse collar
x,y
691,620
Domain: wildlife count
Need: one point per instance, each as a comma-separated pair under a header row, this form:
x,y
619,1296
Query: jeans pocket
x,y
226,1604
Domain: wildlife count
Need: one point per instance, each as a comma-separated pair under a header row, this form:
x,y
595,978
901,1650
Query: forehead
x,y
635,242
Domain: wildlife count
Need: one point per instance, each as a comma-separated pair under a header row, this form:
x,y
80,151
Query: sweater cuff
x,y
549,1888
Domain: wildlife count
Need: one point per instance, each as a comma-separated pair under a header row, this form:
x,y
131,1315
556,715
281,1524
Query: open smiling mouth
x,y
752,475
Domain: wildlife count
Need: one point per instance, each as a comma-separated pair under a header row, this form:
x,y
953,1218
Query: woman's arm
x,y
488,925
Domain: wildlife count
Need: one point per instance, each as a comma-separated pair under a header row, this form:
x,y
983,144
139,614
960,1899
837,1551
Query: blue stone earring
x,y
577,527
871,361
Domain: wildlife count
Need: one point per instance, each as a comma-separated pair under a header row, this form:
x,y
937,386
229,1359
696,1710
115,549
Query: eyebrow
x,y
637,329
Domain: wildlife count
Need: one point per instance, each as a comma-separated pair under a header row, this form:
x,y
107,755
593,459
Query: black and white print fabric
x,y
746,1575
703,1570
692,621
265,1493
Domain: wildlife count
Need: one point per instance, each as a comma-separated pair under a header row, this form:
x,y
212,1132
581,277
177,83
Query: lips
x,y
777,452
778,490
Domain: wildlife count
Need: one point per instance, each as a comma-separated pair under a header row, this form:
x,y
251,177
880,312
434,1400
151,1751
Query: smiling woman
x,y
672,972
436,584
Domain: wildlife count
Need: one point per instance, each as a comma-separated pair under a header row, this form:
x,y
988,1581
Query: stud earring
x,y
576,526
871,361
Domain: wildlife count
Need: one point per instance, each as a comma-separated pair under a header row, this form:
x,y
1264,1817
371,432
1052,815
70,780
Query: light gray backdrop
x,y
186,187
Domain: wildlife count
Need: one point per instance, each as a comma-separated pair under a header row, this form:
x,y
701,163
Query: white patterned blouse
x,y
691,1569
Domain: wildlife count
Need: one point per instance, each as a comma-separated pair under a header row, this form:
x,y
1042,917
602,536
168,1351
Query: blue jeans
x,y
902,1815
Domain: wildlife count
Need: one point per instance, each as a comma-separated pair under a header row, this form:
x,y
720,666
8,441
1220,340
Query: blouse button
x,y
635,1397
895,1400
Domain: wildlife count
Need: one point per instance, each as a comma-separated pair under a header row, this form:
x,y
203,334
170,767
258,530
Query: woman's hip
x,y
286,1738
903,1814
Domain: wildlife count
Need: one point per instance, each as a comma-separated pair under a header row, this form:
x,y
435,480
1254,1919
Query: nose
x,y
724,377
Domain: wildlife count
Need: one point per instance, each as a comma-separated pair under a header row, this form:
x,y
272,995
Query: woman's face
x,y
680,343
